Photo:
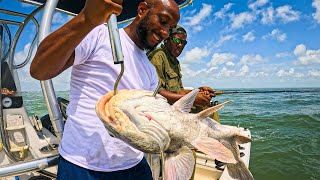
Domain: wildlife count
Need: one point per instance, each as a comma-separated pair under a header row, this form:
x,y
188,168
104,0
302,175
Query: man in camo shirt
x,y
169,72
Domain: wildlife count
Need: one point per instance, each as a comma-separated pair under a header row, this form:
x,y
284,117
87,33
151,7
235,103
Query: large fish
x,y
152,125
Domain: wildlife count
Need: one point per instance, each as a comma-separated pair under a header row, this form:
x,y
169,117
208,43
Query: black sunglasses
x,y
178,41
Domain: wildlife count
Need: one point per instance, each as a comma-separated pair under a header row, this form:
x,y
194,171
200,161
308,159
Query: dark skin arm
x,y
171,96
56,52
202,99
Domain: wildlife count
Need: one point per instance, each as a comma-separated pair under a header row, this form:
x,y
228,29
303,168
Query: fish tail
x,y
239,171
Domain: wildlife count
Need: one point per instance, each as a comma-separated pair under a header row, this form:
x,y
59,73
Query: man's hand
x,y
97,12
208,91
202,99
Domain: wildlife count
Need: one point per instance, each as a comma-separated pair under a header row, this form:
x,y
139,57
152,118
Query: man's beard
x,y
143,28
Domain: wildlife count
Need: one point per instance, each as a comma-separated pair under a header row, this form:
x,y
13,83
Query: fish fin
x,y
240,139
239,171
214,148
207,112
185,103
179,165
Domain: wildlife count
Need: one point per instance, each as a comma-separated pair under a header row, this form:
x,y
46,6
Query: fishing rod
x,y
271,91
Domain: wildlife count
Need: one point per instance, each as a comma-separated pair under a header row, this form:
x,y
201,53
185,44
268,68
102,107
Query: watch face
x,y
6,102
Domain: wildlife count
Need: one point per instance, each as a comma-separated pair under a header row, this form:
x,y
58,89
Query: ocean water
x,y
285,128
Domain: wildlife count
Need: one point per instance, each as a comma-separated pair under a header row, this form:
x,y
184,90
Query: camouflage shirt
x,y
168,69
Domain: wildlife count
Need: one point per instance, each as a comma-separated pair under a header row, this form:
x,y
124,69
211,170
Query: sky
x,y
231,44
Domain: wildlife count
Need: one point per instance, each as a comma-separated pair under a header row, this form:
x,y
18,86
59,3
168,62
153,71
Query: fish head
x,y
120,117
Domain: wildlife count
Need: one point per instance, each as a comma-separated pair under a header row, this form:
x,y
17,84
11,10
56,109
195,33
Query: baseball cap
x,y
178,30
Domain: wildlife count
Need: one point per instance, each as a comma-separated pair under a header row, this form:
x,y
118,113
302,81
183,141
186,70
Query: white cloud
x,y
258,3
314,73
300,50
286,14
276,34
226,73
249,59
289,73
305,56
197,28
60,82
241,19
218,59
197,19
59,18
267,15
261,74
222,13
22,55
223,39
190,13
282,55
28,83
248,37
244,71
195,55
229,63
316,15
187,72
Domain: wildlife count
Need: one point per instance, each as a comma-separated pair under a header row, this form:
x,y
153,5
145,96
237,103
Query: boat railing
x,y
21,25
29,166
37,164
11,57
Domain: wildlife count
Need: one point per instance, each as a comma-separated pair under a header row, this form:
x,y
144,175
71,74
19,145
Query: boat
x,y
28,145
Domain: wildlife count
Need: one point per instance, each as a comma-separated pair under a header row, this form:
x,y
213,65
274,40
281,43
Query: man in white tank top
x,y
87,150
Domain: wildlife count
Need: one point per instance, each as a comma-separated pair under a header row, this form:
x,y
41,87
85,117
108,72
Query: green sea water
x,y
285,128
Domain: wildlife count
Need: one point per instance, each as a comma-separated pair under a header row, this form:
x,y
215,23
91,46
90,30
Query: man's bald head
x,y
172,3
153,22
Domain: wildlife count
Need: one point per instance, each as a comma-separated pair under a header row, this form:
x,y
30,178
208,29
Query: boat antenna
x,y
115,47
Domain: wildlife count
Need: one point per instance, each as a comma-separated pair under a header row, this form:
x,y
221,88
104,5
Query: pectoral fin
x,y
214,149
180,165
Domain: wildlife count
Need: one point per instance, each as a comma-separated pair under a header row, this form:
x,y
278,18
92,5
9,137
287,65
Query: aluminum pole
x,y
47,86
24,167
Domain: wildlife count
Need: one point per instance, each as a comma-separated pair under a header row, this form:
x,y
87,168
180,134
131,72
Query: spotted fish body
x,y
152,125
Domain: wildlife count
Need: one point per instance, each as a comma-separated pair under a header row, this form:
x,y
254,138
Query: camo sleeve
x,y
157,59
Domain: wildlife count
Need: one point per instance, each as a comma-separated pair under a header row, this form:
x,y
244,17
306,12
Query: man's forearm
x,y
57,49
171,96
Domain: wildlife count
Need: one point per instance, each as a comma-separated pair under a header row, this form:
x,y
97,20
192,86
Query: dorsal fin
x,y
207,112
185,103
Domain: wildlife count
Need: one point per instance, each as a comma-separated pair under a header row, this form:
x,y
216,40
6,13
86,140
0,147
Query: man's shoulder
x,y
99,28
97,33
157,54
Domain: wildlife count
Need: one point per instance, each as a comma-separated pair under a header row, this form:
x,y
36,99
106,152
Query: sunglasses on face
x,y
178,41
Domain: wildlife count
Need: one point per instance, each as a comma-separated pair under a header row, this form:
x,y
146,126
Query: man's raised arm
x,y
56,52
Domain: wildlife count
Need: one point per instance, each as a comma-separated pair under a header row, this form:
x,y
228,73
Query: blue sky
x,y
231,44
